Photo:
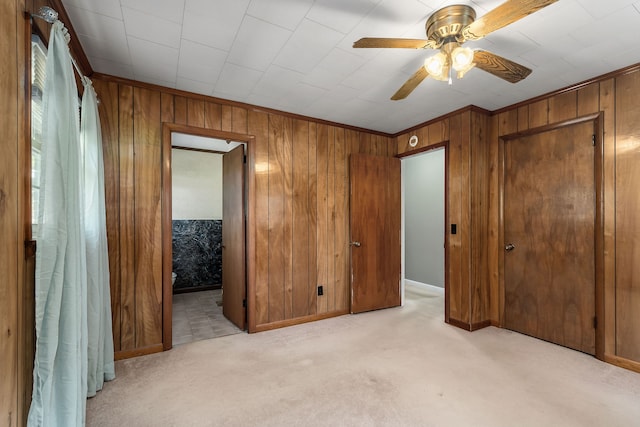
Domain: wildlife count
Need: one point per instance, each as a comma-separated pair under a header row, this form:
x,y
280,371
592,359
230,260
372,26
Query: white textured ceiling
x,y
296,55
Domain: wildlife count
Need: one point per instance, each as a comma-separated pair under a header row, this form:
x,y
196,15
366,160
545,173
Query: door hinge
x,y
244,158
244,303
595,322
593,139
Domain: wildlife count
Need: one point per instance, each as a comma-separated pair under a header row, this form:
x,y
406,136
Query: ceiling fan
x,y
447,29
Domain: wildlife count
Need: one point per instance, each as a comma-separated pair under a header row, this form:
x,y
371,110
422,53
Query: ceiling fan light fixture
x,y
436,65
461,58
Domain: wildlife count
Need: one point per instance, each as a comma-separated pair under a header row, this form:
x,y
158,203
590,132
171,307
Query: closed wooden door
x,y
375,232
549,234
233,238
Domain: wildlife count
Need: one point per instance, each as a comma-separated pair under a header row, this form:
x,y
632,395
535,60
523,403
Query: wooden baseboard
x,y
128,354
297,321
622,362
469,326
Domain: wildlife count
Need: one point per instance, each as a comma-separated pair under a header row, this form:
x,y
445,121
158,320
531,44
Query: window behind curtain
x,y
38,72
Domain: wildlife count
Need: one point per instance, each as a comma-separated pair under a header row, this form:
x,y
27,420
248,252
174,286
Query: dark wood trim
x,y
470,326
423,149
443,117
552,126
613,74
459,324
143,351
221,101
196,289
597,119
297,321
599,235
167,289
199,150
74,44
480,325
622,362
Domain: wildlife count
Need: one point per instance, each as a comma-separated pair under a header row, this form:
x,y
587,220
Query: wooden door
x,y
233,238
549,233
375,232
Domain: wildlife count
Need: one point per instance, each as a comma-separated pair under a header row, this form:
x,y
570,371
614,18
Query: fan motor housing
x,y
449,21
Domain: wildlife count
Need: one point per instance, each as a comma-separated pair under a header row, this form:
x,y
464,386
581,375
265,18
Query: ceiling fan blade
x,y
395,43
500,67
503,15
410,84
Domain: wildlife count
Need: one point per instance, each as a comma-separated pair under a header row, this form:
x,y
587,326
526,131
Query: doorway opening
x,y
424,219
206,204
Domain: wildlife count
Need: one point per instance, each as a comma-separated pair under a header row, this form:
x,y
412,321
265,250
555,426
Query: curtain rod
x,y
49,15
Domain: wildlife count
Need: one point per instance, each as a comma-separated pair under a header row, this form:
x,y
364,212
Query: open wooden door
x,y
234,289
375,232
549,236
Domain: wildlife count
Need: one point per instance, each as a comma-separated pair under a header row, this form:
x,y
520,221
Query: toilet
x,y
173,278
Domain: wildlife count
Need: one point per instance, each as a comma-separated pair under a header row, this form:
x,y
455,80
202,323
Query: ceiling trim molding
x,y
613,74
222,101
473,108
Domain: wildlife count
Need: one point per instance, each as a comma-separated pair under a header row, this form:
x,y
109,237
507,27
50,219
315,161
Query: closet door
x,y
549,235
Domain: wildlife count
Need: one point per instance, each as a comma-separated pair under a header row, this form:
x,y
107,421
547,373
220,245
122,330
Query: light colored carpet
x,y
396,367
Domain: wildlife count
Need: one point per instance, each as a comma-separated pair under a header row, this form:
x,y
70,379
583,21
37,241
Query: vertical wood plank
x,y
479,293
588,99
508,122
342,219
108,94
127,221
365,143
276,251
166,107
539,113
180,110
213,116
10,221
494,222
259,127
438,132
322,239
464,227
226,118
523,118
563,106
195,112
287,167
148,235
300,219
607,105
627,202
313,220
456,183
331,219
239,120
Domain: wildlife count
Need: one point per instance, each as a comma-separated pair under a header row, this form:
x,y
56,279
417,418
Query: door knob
x,y
509,247
356,244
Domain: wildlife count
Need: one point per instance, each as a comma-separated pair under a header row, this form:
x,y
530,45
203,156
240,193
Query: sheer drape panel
x,y
60,384
100,337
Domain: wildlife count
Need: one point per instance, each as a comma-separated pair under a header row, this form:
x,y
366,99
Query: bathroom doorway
x,y
204,235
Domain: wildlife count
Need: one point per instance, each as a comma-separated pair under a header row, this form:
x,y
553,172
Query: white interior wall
x,y
423,217
196,184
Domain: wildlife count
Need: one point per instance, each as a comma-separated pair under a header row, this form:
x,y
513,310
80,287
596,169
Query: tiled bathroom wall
x,y
197,254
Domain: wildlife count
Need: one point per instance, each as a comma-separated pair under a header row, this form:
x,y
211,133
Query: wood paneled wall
x,y
465,134
475,295
301,205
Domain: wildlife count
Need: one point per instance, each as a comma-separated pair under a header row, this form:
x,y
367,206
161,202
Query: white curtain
x,y
60,367
74,342
100,340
